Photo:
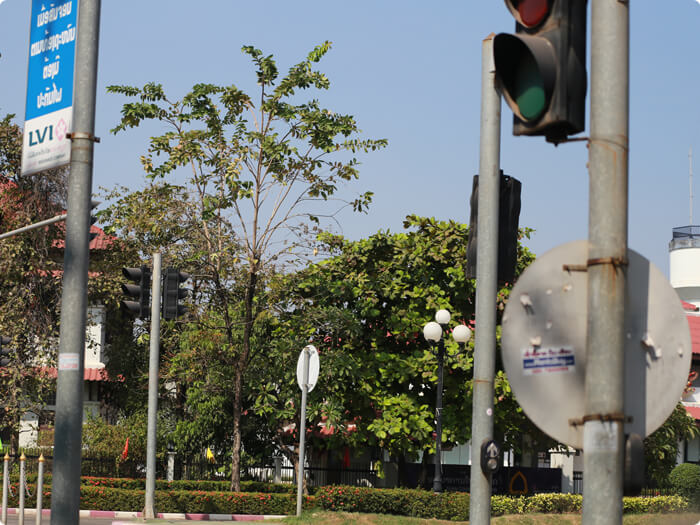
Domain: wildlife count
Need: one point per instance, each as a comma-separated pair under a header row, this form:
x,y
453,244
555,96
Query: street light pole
x,y
437,478
433,334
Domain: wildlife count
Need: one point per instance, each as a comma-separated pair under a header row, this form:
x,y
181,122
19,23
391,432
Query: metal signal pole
x,y
65,500
486,284
603,430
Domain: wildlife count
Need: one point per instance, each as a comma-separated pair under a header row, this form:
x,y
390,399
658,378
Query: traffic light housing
x,y
508,222
4,351
141,291
172,293
541,69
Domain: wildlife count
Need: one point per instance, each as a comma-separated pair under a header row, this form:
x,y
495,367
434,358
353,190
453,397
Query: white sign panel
x,y
49,106
313,368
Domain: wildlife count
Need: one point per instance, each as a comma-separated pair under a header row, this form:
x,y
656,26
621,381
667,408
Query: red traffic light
x,y
530,13
541,68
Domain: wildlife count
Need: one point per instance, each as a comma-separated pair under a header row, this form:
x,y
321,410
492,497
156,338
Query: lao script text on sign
x,y
49,105
548,360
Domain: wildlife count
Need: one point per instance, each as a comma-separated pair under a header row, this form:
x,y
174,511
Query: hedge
x,y
455,505
204,485
405,502
197,501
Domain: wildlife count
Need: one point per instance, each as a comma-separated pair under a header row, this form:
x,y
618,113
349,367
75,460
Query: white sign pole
x,y
302,432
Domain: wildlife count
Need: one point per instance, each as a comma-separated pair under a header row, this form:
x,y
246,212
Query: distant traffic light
x,y
508,222
4,351
141,291
542,68
172,293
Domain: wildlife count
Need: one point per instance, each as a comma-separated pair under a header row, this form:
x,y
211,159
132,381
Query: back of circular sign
x,y
544,344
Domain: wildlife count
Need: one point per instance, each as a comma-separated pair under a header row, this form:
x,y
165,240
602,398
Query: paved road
x,y
31,520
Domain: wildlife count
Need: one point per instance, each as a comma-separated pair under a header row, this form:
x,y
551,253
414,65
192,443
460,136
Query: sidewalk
x,y
122,517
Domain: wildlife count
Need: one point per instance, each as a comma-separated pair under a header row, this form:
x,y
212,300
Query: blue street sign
x,y
48,112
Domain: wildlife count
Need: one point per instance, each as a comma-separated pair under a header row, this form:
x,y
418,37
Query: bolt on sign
x,y
49,105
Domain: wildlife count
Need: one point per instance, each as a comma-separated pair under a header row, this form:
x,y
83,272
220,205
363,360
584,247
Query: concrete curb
x,y
163,515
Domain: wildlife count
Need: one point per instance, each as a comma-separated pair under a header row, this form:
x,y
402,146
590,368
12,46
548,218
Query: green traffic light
x,y
529,93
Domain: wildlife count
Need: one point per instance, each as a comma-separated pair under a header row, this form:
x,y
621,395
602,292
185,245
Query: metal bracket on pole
x,y
600,417
78,135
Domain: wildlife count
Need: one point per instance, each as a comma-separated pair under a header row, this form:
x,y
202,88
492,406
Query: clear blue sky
x,y
410,72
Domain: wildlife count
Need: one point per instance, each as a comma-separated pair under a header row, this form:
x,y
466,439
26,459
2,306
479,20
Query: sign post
x,y
307,375
49,104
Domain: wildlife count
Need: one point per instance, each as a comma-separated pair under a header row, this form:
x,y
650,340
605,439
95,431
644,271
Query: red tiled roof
x,y
694,412
694,324
689,307
101,240
89,374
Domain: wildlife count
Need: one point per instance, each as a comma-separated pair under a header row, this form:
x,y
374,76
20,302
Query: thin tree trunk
x,y
236,456
238,380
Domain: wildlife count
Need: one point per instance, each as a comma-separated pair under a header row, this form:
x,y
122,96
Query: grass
x,y
352,518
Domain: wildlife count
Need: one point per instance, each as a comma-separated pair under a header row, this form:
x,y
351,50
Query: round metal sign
x,y
313,368
544,344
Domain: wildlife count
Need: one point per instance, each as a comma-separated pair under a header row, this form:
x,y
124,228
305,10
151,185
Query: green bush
x,y
553,503
405,502
656,504
205,485
106,498
685,481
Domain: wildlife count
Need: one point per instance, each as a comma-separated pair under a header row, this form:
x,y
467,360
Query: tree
x,y
31,285
258,174
364,308
661,447
30,288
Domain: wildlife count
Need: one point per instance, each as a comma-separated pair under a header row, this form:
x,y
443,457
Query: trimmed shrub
x,y
553,503
685,481
105,498
404,502
656,504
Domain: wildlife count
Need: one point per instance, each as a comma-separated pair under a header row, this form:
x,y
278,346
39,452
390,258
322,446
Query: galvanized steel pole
x,y
302,429
486,284
65,499
603,435
149,511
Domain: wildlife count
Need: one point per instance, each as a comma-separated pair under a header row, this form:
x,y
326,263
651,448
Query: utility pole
x,y
603,432
486,284
153,356
65,500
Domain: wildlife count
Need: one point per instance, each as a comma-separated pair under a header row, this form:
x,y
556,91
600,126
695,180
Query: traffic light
x,y
541,69
141,291
4,352
172,293
508,222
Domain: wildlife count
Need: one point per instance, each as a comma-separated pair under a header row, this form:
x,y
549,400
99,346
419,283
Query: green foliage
x,y
405,502
685,481
656,504
661,447
261,178
189,501
364,308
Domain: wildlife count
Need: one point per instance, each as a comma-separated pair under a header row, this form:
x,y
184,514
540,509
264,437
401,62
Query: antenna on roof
x,y
690,174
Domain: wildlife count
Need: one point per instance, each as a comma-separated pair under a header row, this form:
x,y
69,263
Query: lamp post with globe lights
x,y
433,332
